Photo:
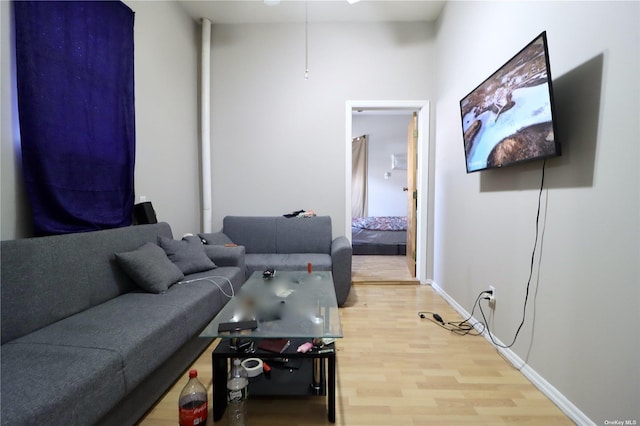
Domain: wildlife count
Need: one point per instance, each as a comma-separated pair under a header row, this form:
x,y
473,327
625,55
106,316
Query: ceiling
x,y
289,11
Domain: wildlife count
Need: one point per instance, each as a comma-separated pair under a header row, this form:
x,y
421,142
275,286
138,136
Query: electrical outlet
x,y
492,296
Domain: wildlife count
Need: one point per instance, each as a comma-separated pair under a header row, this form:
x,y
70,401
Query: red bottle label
x,y
193,416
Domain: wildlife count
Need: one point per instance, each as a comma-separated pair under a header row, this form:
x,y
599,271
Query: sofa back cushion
x,y
41,283
108,278
257,234
277,234
46,279
303,235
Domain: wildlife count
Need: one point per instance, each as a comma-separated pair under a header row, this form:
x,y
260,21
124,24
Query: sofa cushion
x,y
287,262
52,384
46,279
215,238
143,329
304,235
43,280
225,280
225,255
228,279
119,342
276,234
111,281
256,234
187,254
150,268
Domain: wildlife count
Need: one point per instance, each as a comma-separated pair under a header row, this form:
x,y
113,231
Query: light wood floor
x,y
380,270
394,368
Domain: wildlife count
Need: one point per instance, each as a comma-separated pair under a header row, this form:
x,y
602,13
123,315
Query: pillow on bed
x,y
381,223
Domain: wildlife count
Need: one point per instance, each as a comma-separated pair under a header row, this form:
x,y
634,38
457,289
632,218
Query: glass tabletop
x,y
289,305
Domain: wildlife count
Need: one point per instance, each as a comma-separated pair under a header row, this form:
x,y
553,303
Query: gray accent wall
x,y
278,139
167,110
581,333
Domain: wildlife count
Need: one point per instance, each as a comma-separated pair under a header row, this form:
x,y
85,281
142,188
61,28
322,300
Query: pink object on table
x,y
305,347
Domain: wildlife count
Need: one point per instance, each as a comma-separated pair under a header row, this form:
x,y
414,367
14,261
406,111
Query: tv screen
x,y
509,117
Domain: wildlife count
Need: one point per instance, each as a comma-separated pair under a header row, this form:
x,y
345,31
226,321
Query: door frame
x,y
424,238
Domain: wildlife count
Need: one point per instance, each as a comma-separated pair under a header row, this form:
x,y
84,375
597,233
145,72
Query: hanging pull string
x,y
306,40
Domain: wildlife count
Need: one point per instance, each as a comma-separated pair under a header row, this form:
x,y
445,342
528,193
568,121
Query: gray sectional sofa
x,y
93,331
289,244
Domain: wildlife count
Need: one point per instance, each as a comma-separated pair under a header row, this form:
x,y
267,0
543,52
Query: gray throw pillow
x,y
150,268
187,254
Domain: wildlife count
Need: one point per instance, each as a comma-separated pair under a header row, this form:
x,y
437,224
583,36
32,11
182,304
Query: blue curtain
x,y
74,68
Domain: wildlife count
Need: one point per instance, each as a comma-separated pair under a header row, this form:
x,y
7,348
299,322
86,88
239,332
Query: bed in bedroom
x,y
385,235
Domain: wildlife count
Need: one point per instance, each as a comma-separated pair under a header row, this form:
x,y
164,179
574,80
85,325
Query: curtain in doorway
x,y
74,69
359,176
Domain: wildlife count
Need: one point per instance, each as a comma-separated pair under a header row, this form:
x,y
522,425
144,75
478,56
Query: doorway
x,y
381,108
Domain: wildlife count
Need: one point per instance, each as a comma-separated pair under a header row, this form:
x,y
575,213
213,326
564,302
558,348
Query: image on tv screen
x,y
508,118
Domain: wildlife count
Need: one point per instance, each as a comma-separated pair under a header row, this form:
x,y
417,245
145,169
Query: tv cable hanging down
x,y
464,327
533,256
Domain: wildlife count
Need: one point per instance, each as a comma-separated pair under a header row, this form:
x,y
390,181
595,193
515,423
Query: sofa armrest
x,y
215,238
226,256
341,267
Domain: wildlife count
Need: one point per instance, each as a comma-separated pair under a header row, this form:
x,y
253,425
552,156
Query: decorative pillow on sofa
x,y
150,268
187,254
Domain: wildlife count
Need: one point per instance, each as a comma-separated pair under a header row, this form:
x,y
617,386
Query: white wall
x,y
278,140
167,143
581,333
166,84
387,135
15,214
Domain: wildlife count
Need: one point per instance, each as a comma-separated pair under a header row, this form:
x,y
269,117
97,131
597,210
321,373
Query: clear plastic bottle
x,y
192,405
237,393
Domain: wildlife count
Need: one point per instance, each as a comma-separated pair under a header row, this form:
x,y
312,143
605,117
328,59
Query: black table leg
x,y
317,376
331,397
219,382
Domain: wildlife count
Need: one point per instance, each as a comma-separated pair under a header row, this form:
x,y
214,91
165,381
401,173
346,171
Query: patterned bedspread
x,y
381,223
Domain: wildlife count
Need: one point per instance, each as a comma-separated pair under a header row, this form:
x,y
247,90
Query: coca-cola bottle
x,y
193,405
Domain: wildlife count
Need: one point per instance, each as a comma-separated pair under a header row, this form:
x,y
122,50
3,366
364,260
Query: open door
x,y
412,192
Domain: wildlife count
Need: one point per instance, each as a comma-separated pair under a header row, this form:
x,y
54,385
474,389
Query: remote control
x,y
237,326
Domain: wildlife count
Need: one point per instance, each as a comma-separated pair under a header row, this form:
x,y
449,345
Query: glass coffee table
x,y
296,306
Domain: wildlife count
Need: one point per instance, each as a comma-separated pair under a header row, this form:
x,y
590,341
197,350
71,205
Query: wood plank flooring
x,y
394,368
380,270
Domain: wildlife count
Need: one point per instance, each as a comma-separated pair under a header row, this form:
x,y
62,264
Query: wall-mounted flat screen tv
x,y
509,118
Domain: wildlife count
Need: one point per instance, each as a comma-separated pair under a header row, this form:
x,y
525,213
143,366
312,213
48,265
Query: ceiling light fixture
x,y
350,1
271,2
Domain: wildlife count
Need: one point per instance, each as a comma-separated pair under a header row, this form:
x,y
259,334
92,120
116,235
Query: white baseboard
x,y
567,407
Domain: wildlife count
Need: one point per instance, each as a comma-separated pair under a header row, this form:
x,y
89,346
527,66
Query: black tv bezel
x,y
558,151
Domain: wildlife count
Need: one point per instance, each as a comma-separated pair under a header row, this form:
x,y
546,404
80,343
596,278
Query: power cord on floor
x,y
463,325
462,328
